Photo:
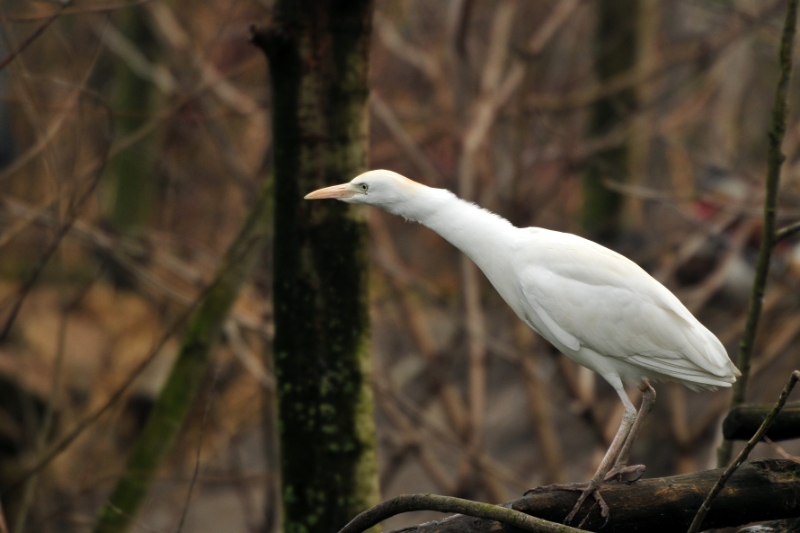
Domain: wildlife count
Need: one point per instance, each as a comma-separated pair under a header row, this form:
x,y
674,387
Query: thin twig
x,y
82,10
73,210
116,248
718,486
449,504
788,231
540,406
402,280
54,245
29,488
677,55
170,28
196,472
768,236
447,436
32,37
414,441
89,420
780,451
387,117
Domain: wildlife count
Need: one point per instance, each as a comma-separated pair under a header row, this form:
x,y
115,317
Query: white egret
x,y
599,308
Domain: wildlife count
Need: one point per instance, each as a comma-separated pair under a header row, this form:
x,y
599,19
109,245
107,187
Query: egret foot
x,y
614,465
618,472
591,488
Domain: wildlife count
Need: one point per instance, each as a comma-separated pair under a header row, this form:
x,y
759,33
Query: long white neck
x,y
480,234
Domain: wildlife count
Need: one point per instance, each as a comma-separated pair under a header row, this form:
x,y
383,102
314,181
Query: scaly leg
x,y
592,488
621,467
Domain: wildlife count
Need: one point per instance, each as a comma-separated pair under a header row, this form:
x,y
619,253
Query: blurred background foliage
x,y
133,139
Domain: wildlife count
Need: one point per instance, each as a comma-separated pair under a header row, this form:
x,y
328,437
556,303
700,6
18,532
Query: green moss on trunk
x,y
176,397
318,55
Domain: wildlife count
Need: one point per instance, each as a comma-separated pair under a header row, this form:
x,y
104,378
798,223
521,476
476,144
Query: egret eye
x,y
364,187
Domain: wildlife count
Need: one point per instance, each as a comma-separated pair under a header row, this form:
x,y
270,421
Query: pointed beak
x,y
345,190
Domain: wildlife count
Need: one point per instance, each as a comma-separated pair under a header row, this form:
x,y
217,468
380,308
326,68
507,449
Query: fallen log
x,y
767,489
744,420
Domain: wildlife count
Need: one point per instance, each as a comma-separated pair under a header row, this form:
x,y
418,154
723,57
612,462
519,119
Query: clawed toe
x,y
575,487
586,489
618,473
590,489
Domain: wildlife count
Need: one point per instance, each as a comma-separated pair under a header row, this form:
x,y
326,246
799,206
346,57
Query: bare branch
x,y
774,163
448,504
788,231
32,37
726,475
766,489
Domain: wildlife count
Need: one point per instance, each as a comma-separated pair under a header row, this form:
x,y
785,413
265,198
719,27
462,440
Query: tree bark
x,y
760,490
318,57
743,421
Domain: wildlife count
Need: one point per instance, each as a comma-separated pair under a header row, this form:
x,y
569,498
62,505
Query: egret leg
x,y
621,467
592,488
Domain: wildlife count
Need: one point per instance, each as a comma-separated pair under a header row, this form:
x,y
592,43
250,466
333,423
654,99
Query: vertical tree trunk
x,y
318,56
129,174
175,398
615,53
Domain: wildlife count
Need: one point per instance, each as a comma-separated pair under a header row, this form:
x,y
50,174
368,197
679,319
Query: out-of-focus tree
x,y
130,182
614,53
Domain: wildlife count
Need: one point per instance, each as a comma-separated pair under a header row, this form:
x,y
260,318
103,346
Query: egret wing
x,y
588,295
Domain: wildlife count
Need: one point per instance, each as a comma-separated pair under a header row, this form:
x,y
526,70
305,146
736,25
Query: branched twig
x,y
81,426
29,488
449,504
769,236
95,172
701,513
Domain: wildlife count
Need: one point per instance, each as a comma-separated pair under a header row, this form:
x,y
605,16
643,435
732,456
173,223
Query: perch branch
x,y
449,504
768,236
788,231
767,489
701,513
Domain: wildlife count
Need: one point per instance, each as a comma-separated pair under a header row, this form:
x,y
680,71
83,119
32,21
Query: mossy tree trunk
x,y
175,399
318,55
615,53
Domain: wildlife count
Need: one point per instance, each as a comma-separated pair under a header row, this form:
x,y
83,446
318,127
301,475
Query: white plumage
x,y
599,308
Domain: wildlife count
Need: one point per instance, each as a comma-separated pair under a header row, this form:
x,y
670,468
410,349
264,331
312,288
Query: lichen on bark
x,y
318,57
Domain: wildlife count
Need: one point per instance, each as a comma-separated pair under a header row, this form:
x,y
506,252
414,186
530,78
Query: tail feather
x,y
684,371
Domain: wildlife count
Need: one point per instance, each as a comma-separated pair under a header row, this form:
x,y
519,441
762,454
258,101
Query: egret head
x,y
380,188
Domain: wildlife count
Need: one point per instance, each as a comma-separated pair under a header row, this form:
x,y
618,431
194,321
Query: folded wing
x,y
587,295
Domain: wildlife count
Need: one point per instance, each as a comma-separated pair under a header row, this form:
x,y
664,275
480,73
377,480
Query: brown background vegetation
x,y
489,99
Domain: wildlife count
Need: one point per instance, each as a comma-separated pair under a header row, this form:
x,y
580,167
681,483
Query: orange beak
x,y
345,190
